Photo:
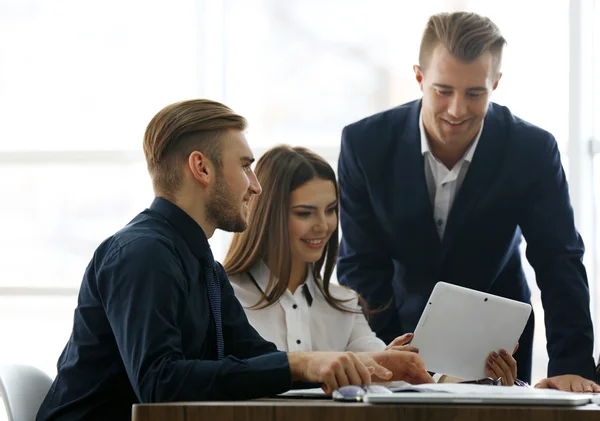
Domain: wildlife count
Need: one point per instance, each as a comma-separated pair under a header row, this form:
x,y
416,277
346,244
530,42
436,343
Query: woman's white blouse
x,y
293,325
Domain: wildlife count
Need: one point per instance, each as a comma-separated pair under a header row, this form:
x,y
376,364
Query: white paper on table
x,y
477,389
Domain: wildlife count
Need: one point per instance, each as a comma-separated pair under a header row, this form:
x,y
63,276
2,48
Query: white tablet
x,y
460,327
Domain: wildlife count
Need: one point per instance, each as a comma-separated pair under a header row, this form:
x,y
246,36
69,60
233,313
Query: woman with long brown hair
x,y
281,266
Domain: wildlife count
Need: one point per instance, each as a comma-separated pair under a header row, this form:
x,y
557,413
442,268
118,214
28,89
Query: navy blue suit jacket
x,y
515,184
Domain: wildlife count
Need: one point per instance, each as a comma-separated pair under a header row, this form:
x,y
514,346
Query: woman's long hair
x,y
280,171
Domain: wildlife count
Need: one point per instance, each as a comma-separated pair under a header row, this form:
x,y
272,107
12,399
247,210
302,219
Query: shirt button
x,y
298,341
440,222
295,306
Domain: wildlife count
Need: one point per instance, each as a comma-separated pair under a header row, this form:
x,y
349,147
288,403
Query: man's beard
x,y
223,209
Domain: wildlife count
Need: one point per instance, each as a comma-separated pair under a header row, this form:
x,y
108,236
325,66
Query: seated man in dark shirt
x,y
157,320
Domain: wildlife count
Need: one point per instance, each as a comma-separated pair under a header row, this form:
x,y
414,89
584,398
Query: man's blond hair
x,y
465,35
180,129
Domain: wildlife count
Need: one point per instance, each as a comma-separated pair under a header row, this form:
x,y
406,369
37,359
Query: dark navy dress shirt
x,y
143,330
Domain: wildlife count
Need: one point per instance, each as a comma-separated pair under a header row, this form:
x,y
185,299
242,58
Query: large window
x,y
79,81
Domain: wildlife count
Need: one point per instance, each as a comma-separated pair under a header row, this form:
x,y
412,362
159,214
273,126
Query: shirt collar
x,y
190,230
468,156
310,282
261,274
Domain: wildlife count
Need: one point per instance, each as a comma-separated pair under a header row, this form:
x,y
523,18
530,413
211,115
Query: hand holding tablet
x,y
460,327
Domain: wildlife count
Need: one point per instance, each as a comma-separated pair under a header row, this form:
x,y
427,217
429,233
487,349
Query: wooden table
x,y
325,410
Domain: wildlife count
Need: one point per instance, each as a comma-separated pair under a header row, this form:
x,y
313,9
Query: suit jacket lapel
x,y
413,210
485,163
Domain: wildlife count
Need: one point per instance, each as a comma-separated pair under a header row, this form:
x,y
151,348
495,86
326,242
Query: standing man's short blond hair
x,y
465,35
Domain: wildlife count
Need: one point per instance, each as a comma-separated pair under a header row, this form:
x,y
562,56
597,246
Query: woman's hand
x,y
502,364
401,344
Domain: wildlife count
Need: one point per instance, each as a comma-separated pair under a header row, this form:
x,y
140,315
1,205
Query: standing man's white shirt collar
x,y
442,183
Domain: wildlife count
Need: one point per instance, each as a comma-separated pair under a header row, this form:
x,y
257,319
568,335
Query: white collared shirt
x,y
292,325
442,183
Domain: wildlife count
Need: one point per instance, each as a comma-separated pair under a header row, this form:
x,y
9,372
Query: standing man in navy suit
x,y
442,189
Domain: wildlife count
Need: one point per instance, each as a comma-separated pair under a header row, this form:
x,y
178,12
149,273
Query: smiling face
x,y
455,97
235,183
313,219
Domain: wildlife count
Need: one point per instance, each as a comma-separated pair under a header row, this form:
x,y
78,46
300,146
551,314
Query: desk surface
x,y
325,410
